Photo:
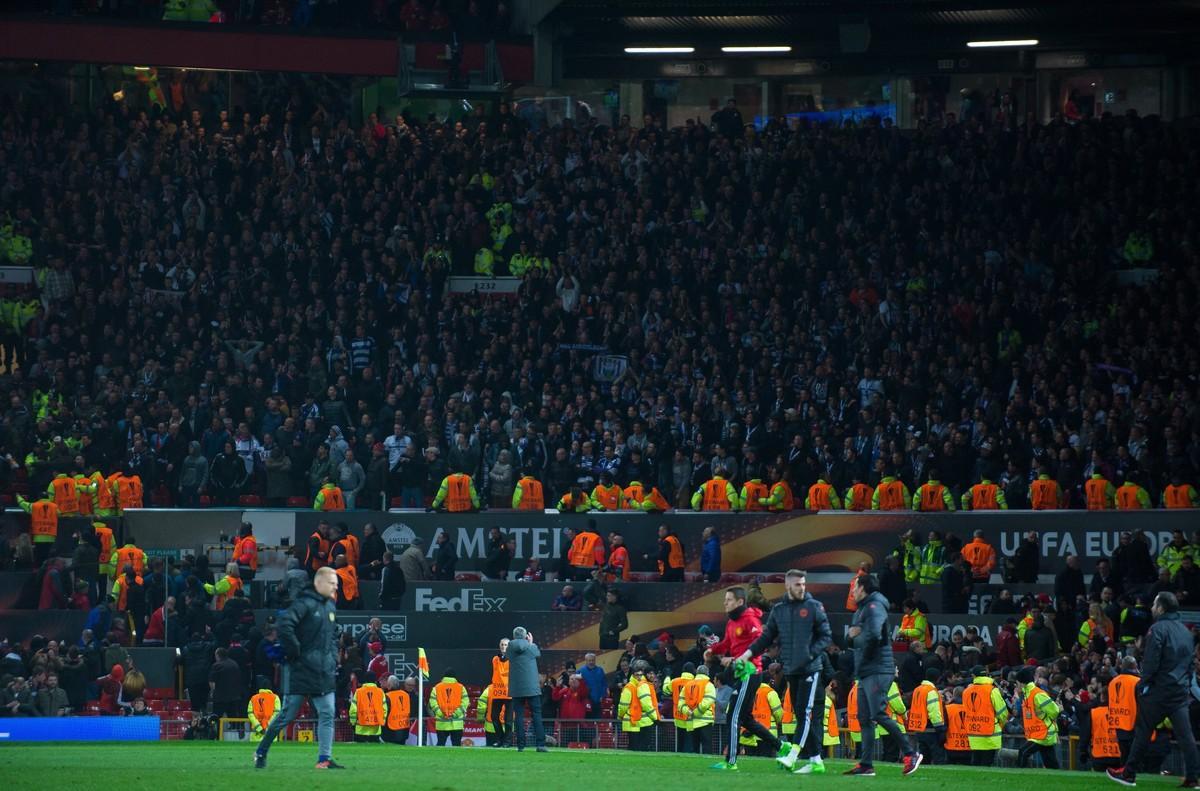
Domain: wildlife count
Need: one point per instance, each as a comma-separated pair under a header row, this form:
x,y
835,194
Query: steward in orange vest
x,y
754,494
586,552
780,497
130,555
859,496
318,547
606,496
927,718
367,712
245,552
670,556
617,566
329,498
43,516
1099,493
528,496
458,493
226,588
636,498
399,713
1045,493
261,709
890,495
984,496
128,491
574,501
1180,495
822,497
347,595
958,745
64,490
716,494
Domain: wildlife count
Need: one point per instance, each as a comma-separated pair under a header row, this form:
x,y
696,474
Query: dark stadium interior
x,y
574,316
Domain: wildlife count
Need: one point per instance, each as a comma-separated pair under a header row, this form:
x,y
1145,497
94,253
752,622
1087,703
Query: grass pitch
x,y
173,765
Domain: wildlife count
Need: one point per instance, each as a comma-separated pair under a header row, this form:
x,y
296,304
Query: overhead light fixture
x,y
764,48
659,50
1016,42
141,68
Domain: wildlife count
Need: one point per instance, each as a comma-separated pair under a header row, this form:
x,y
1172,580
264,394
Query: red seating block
x,y
397,502
205,501
250,500
298,502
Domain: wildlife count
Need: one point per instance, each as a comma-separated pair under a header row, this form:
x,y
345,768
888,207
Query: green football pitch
x,y
171,765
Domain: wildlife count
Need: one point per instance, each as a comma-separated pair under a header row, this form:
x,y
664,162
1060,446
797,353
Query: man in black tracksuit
x,y
800,624
1165,691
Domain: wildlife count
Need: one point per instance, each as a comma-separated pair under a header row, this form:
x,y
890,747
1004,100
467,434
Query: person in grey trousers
x,y
525,687
1165,691
308,634
874,669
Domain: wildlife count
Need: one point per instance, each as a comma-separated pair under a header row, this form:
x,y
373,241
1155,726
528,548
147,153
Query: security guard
x,y
1179,494
131,555
500,714
858,496
1039,718
399,712
681,716
753,493
329,498
1170,557
670,555
932,496
458,493
833,732
485,262
1044,492
699,701
915,625
933,559
984,496
263,705
128,491
636,498
716,494
64,490
574,501
822,497
780,497
487,710
1099,493
43,517
910,556
226,588
586,552
986,713
448,705
367,712
108,557
637,708
1131,496
891,494
607,496
927,718
105,493
527,495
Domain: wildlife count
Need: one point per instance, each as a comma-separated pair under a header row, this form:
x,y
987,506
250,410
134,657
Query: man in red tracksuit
x,y
743,628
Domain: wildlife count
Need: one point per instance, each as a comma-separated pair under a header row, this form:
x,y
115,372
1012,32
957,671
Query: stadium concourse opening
x,y
775,386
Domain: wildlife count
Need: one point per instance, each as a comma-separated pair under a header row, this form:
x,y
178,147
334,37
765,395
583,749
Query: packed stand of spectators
x,y
252,303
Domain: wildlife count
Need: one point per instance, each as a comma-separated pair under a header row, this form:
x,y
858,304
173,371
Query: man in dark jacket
x,y
1164,691
956,587
392,584
874,669
1068,583
1027,560
227,686
495,567
197,659
308,634
445,557
800,624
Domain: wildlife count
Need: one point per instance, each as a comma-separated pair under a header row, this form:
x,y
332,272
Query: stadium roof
x,y
811,27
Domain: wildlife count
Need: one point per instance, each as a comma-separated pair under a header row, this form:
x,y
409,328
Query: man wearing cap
x,y
801,626
1165,691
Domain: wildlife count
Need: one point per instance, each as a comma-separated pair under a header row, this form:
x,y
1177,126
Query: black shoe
x,y
544,750
520,749
1123,776
260,761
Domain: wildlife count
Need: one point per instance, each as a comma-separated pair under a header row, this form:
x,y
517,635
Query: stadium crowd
x,y
235,304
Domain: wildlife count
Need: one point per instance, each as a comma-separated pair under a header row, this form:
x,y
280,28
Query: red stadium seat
x,y
19,488
397,502
160,497
298,502
6,500
250,500
205,501
467,576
